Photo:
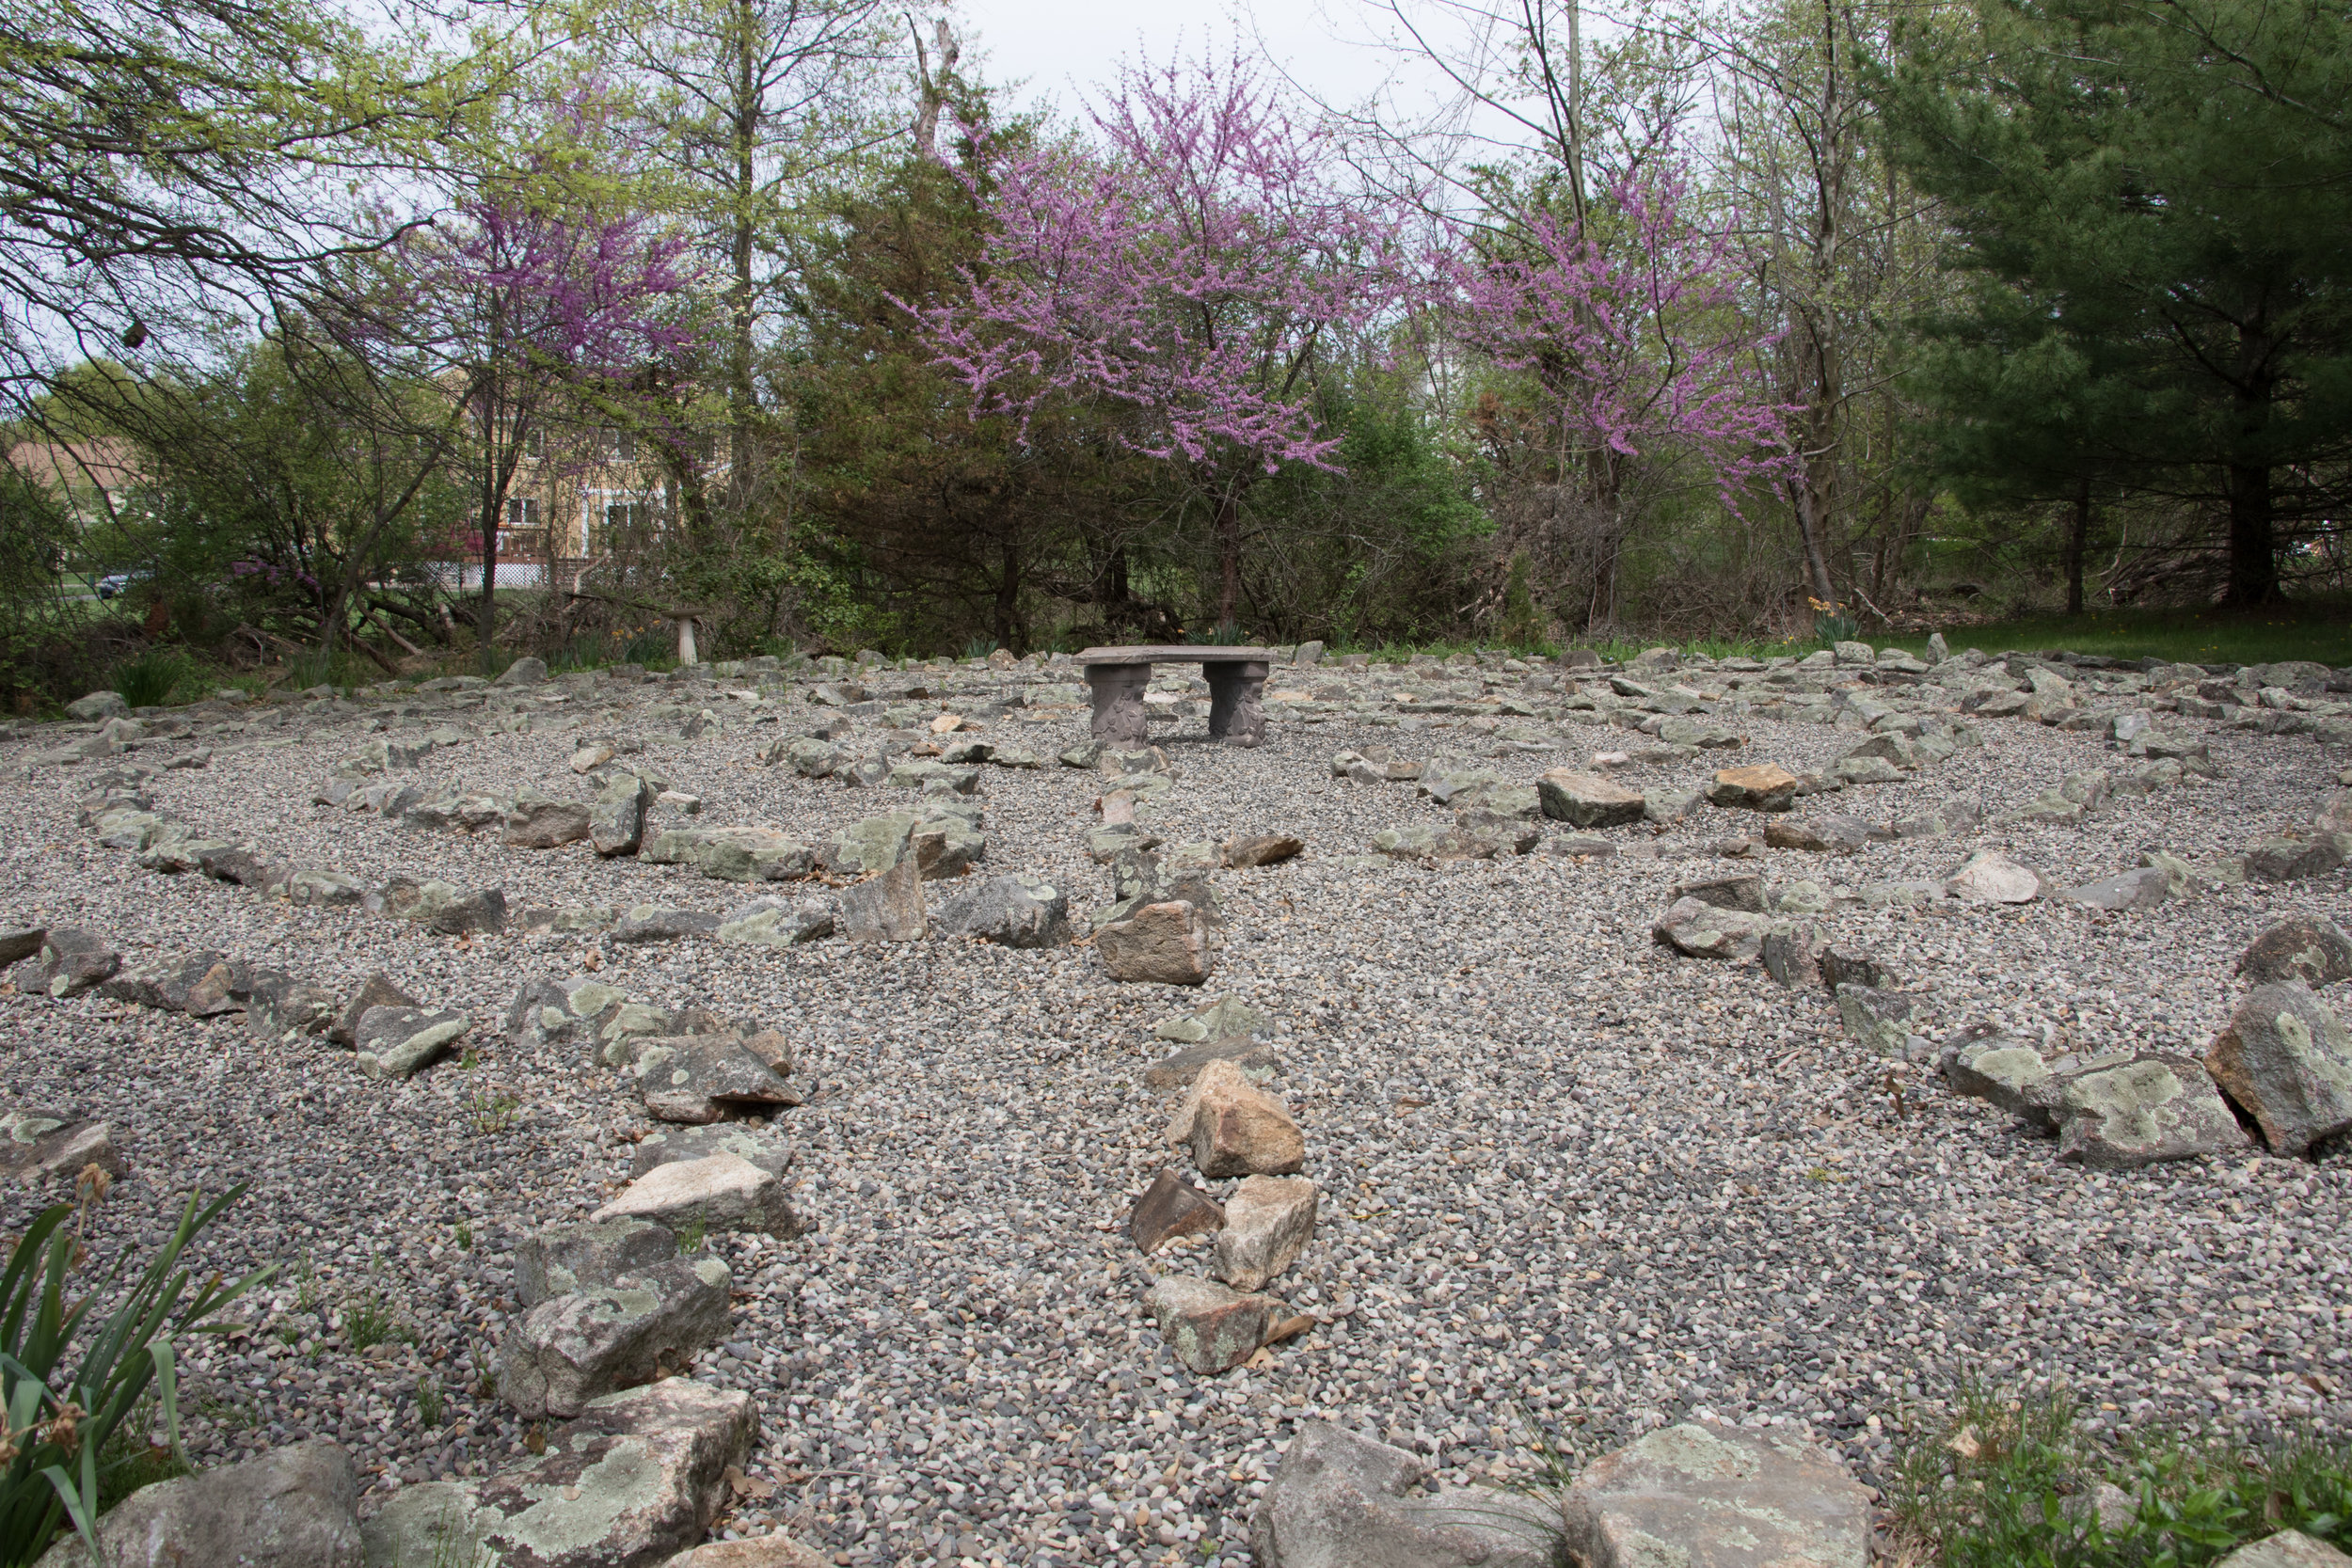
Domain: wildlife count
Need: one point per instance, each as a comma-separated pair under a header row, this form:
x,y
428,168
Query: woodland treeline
x,y
1700,318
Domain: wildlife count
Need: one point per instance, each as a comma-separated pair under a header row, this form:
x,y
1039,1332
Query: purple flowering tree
x,y
1188,271
1631,329
533,307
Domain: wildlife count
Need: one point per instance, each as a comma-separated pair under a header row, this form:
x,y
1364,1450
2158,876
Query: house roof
x,y
110,461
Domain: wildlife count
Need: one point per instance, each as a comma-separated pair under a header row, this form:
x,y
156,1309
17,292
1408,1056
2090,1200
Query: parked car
x,y
113,583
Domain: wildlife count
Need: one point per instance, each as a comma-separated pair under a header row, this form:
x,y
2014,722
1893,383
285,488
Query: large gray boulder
x,y
537,821
1704,1496
2121,1112
707,1078
1698,929
98,705
1587,799
746,1140
1341,1500
2143,889
73,959
294,1506
1016,911
2001,1071
616,818
2286,1059
567,1258
200,984
773,922
883,908
636,1480
2307,947
575,1348
401,1042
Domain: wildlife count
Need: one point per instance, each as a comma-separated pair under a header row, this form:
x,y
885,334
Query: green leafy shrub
x,y
149,680
66,1441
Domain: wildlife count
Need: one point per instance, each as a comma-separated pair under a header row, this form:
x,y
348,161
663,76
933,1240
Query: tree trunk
x,y
742,287
1229,555
1802,503
1007,591
2077,540
2253,547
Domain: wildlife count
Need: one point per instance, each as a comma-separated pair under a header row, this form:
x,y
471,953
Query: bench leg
x,y
1235,716
1118,691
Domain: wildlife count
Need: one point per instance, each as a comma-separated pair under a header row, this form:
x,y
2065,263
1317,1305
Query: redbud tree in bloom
x,y
533,303
1189,269
1631,327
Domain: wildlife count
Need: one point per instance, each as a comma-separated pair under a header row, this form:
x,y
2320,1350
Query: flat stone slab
x,y
1704,1496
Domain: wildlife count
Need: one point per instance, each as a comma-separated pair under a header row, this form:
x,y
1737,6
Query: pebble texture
x,y
1568,1175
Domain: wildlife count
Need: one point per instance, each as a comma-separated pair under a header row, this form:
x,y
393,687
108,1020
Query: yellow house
x,y
565,514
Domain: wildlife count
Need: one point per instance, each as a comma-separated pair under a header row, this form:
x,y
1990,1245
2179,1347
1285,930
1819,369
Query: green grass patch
x,y
2015,1482
2318,631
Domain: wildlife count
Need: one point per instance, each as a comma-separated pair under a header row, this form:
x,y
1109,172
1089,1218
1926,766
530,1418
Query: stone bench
x,y
1237,677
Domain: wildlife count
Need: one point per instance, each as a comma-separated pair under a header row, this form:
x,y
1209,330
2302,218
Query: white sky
x,y
1061,50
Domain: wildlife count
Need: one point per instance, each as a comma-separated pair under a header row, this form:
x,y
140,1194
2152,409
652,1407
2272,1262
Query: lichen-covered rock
x,y
1878,1020
401,1042
748,1141
2001,1071
73,959
1702,1495
567,1258
1017,910
704,1078
645,1325
1698,929
637,1479
2121,1112
2307,947
294,1506
1210,1328
1341,1500
779,922
2287,1059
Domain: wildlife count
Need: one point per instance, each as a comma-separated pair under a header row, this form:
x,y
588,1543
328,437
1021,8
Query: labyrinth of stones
x,y
1265,1112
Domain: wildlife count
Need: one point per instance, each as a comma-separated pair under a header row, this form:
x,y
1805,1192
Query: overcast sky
x,y
1059,50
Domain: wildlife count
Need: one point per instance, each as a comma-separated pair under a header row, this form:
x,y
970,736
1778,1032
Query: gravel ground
x,y
1570,1182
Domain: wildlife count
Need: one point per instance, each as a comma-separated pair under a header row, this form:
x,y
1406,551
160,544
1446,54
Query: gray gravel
x,y
1570,1182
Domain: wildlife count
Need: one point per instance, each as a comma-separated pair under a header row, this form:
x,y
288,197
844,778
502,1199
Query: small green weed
x,y
431,1406
370,1320
491,1110
978,647
309,1296
689,1235
463,1236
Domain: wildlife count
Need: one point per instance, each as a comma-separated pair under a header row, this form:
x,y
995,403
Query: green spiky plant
x,y
62,1417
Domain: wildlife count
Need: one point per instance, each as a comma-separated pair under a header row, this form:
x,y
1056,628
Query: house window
x,y
627,515
534,442
620,446
522,512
